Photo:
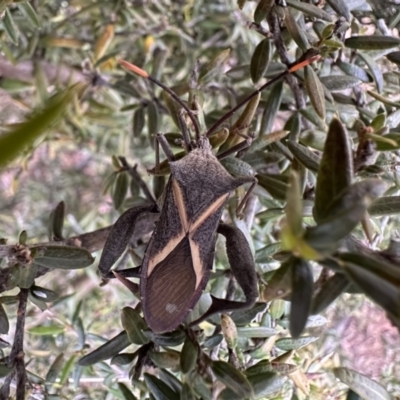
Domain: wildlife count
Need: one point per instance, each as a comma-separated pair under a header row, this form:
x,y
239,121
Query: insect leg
x,y
184,130
165,146
243,269
119,237
137,178
234,149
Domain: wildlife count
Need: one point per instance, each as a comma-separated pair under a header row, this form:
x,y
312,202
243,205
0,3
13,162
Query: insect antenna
x,y
307,58
144,74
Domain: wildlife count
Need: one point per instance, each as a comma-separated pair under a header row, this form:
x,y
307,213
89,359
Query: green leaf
x,y
385,206
302,293
260,60
383,269
341,8
264,254
63,257
30,14
287,344
57,222
66,371
189,355
10,27
329,292
335,83
262,10
271,108
335,170
315,91
280,283
214,66
369,42
54,370
374,69
120,189
138,122
4,324
153,118
126,393
304,155
47,330
297,34
365,387
256,332
310,9
237,167
107,350
134,325
232,378
5,371
353,70
159,389
187,392
345,212
276,188
12,143
165,359
381,291
43,294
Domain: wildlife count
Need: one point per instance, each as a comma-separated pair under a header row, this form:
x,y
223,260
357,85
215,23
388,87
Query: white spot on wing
x,y
170,308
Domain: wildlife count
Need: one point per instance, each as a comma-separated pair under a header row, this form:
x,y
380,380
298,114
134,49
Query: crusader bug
x,y
179,256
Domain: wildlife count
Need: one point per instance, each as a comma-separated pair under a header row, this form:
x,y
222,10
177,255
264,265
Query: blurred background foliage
x,y
68,110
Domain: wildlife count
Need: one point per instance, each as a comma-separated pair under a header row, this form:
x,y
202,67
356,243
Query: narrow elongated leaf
x,y
387,205
381,291
10,27
271,108
365,387
329,292
134,325
374,69
335,83
30,14
346,211
120,189
383,269
369,42
305,156
353,70
310,9
280,283
214,66
13,142
315,91
294,344
260,60
189,354
302,292
4,324
126,393
276,188
295,31
165,359
232,378
341,8
62,257
107,350
46,330
335,170
55,369
159,389
138,122
262,10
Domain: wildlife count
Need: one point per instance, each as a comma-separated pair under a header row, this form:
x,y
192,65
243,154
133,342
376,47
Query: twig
x,y
16,358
